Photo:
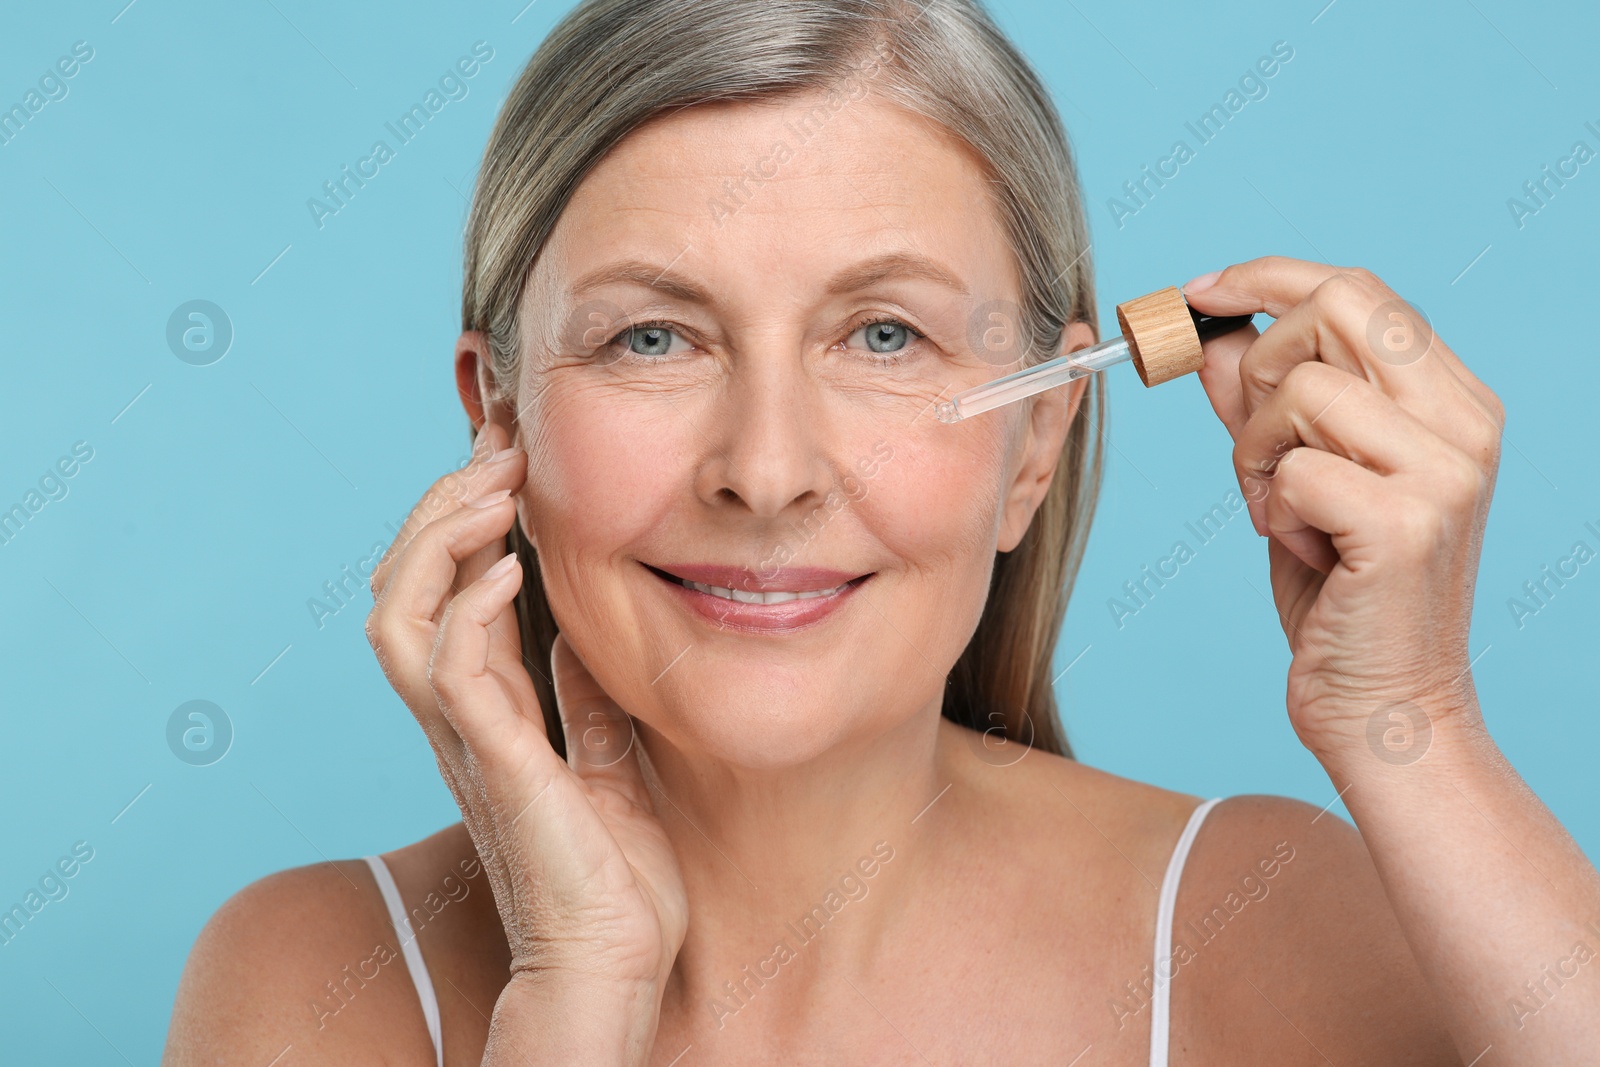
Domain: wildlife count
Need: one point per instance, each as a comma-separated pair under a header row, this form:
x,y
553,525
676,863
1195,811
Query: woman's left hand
x,y
1367,453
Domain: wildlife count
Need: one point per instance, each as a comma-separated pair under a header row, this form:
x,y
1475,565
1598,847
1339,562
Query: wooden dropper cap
x,y
1164,334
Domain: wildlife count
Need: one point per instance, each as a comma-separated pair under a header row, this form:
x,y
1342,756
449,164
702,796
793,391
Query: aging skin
x,y
726,770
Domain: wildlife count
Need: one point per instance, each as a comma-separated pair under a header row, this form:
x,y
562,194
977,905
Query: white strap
x,y
1160,994
409,949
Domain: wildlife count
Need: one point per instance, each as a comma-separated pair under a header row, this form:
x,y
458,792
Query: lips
x,y
767,601
772,597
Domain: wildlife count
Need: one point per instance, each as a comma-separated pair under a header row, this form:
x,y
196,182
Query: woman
x,y
751,728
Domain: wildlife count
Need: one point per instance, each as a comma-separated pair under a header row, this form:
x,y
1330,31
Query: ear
x,y
1045,435
480,398
475,384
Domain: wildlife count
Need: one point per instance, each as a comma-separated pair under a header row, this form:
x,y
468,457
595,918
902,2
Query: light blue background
x,y
180,563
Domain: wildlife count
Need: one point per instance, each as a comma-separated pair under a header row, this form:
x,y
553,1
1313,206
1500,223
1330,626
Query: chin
x,y
741,708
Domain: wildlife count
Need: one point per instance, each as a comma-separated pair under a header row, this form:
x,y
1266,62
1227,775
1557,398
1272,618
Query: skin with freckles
x,y
697,385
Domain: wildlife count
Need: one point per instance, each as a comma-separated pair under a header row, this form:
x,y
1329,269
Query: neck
x,y
772,859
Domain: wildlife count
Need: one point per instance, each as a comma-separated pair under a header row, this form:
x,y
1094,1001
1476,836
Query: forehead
x,y
784,186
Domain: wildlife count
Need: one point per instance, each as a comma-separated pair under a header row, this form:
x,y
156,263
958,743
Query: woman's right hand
x,y
585,880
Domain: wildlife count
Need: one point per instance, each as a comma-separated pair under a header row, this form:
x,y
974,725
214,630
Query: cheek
x,y
936,501
603,470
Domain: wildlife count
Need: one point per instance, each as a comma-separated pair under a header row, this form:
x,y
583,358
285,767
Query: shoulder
x,y
1283,936
1283,929
1045,797
304,958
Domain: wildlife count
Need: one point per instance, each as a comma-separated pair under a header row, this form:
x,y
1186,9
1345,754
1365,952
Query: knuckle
x,y
1243,450
442,497
1305,380
1497,412
451,486
1250,461
1485,439
1285,472
1416,527
1254,376
431,539
378,588
380,574
1362,278
374,629
1336,291
1255,487
1461,480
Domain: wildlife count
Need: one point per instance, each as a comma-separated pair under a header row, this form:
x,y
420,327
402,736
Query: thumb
x,y
602,743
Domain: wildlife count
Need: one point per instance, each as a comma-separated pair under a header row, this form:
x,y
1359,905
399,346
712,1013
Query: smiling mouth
x,y
744,597
812,583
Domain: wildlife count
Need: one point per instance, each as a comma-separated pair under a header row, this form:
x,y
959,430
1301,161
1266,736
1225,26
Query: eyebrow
x,y
852,279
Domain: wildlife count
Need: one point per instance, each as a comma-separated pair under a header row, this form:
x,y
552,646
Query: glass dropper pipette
x,y
1161,336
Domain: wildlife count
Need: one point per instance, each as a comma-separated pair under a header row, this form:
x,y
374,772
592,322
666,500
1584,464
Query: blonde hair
x,y
611,65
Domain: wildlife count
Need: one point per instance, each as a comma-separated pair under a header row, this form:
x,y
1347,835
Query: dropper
x,y
1161,336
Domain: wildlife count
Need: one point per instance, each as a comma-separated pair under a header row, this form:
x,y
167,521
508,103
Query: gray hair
x,y
610,66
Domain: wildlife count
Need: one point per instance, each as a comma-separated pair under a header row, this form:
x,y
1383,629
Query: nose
x,y
767,449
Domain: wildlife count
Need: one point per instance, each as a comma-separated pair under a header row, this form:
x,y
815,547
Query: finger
x,y
406,617
1316,492
1337,412
602,745
1219,376
1295,588
1367,324
403,623
507,758
429,571
493,467
490,459
1356,323
1270,284
1307,543
485,706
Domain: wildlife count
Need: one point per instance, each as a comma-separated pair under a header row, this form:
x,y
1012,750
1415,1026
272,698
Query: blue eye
x,y
649,340
886,337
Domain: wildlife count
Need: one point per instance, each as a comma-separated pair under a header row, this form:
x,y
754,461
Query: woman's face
x,y
732,343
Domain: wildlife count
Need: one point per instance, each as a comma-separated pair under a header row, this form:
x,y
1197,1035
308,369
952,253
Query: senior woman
x,y
721,639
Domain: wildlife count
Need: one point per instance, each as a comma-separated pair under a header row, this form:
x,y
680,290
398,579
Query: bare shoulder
x,y
304,959
1283,938
1285,947
1059,799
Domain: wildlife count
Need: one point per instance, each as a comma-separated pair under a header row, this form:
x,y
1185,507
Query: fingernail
x,y
501,567
1202,283
489,500
504,453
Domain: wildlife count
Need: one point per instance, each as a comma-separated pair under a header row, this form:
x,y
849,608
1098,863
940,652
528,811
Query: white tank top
x,y
1160,997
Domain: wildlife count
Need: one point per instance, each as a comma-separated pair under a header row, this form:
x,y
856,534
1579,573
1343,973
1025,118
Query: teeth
x,y
744,596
